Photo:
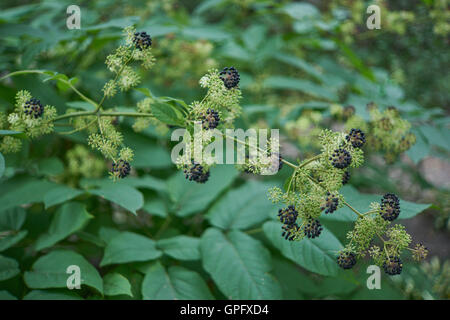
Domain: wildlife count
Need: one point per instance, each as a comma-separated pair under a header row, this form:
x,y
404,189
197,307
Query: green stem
x,y
103,114
310,160
353,209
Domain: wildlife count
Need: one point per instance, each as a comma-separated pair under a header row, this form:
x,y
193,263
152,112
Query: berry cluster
x,y
196,172
142,40
393,265
211,119
313,228
290,231
420,252
346,260
356,137
331,203
346,177
230,77
288,215
33,108
390,207
121,168
340,158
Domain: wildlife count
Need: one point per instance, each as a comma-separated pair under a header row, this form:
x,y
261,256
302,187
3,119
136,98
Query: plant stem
x,y
353,209
103,114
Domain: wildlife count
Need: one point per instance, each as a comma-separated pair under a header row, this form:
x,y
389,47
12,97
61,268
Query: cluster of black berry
x,y
341,158
393,265
230,77
290,231
356,137
288,215
346,260
390,207
195,172
420,252
313,228
121,168
211,119
33,108
331,203
346,177
142,40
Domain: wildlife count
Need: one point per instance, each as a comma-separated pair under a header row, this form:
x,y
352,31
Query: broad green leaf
x,y
176,283
239,265
436,136
167,114
51,295
12,219
9,268
12,239
156,207
50,166
59,195
242,208
16,134
361,202
2,165
305,86
143,182
180,247
69,218
50,271
190,197
129,247
316,255
5,295
147,154
420,149
12,191
300,10
116,284
299,63
125,196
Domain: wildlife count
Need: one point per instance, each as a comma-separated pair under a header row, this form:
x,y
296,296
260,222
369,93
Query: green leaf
x,y
12,191
51,295
142,182
9,268
305,86
420,149
70,217
125,196
167,114
50,166
242,208
316,255
300,10
176,283
12,239
5,295
82,105
59,195
116,284
49,271
190,197
181,247
15,134
361,202
2,165
299,63
129,247
156,207
12,219
239,265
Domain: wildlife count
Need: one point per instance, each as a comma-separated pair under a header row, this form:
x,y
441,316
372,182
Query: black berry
x,y
142,40
393,265
331,203
196,172
288,215
346,177
33,108
341,158
122,168
230,77
211,119
290,231
313,228
356,137
346,260
390,207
